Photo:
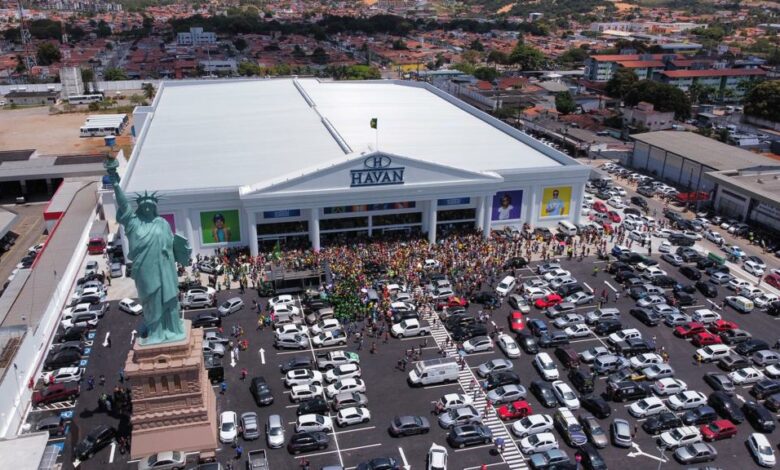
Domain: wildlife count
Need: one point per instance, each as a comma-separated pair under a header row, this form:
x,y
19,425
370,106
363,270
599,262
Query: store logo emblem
x,y
377,172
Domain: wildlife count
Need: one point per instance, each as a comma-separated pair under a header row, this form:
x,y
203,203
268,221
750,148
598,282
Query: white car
x,y
679,437
737,283
687,400
617,203
647,407
569,319
712,352
130,306
663,233
546,367
509,346
352,415
437,458
303,377
714,237
281,300
344,371
313,423
346,385
532,424
577,331
566,395
536,443
535,293
328,324
746,376
753,268
668,386
650,300
228,427
62,375
452,401
304,392
761,449
330,338
285,309
580,298
638,236
665,247
291,329
559,272
764,299
645,360
478,344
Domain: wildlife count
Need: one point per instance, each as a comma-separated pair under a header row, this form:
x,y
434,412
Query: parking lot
x,y
389,395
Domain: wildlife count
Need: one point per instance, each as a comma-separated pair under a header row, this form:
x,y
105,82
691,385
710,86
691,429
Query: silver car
x,y
163,461
231,305
507,394
458,416
494,365
621,433
274,432
250,428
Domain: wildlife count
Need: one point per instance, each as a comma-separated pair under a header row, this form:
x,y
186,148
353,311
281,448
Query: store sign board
x,y
377,171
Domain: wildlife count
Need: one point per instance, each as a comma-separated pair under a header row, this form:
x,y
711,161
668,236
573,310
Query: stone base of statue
x,y
174,406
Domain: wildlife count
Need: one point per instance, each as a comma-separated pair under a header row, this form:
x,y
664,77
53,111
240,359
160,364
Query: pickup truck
x,y
257,460
331,359
409,327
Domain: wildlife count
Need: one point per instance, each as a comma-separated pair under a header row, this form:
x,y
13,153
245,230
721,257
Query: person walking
x,y
222,388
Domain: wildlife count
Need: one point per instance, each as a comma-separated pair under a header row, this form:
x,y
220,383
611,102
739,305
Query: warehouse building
x,y
309,162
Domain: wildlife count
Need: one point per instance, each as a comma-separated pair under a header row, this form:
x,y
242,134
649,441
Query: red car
x,y
692,328
599,206
705,339
54,393
516,410
614,217
719,326
516,321
773,280
452,302
549,300
718,429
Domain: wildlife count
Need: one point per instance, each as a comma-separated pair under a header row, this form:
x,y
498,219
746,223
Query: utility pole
x,y
24,33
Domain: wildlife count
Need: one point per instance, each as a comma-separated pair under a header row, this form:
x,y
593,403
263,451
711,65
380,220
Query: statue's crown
x,y
146,197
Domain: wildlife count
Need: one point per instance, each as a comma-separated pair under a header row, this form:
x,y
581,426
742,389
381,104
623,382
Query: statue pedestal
x,y
174,406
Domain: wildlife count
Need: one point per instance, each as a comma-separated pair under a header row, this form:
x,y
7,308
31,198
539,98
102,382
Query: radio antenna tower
x,y
29,59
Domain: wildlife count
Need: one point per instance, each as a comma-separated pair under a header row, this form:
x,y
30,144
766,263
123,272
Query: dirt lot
x,y
35,128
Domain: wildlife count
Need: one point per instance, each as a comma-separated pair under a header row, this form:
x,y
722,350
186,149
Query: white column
x,y
433,205
314,228
486,202
480,211
251,219
189,232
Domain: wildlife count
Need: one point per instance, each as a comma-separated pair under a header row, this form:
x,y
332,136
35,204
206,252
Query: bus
x,y
85,99
99,130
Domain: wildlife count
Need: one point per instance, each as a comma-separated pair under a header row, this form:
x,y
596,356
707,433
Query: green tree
x,y
319,56
477,45
701,94
87,75
527,57
575,55
471,57
248,69
763,101
399,45
48,54
486,73
240,44
149,90
136,99
622,81
663,97
103,30
21,65
114,74
564,103
497,57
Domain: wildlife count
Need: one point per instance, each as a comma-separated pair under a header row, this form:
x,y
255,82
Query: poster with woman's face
x,y
220,226
507,205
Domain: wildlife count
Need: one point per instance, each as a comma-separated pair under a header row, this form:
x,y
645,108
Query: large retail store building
x,y
250,162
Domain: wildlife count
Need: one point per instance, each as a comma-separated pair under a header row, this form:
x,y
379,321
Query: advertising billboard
x,y
221,226
556,201
507,205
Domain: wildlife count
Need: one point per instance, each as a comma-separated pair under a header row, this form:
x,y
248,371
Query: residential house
x,y
644,116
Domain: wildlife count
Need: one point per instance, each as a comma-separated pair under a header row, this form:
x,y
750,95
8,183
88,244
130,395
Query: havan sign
x,y
377,172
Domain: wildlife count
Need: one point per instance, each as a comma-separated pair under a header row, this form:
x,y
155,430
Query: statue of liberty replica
x,y
155,250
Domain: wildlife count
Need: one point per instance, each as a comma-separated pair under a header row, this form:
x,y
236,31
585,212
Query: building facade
x,y
297,162
196,37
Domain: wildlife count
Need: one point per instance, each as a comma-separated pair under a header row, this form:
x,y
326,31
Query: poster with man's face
x,y
556,201
507,205
220,226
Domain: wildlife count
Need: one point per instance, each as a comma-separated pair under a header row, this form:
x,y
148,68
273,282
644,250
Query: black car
x,y
690,273
459,320
528,343
516,262
504,377
74,333
634,346
408,426
719,382
618,266
639,201
261,391
607,326
628,277
469,435
207,319
297,362
307,441
627,390
687,288
683,299
774,308
569,289
638,292
583,380
487,299
589,457
664,281
773,402
661,422
544,393
751,346
733,362
701,415
537,326
316,405
379,463
646,316
726,407
764,388
67,358
717,269
705,263
759,417
707,289
598,406
97,439
465,333
401,315
66,346
553,339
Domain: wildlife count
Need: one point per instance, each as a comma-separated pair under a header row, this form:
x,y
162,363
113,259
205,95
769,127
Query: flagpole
x,y
376,138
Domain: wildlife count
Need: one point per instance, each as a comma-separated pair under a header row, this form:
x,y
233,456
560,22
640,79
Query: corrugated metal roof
x,y
704,150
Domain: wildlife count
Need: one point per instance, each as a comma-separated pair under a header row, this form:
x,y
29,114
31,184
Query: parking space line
x,y
610,286
367,446
353,430
466,449
442,385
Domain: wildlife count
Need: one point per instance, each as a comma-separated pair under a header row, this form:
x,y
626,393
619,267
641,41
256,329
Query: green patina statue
x,y
154,250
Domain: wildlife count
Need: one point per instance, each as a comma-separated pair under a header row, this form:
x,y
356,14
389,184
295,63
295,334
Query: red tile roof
x,y
626,57
713,73
640,64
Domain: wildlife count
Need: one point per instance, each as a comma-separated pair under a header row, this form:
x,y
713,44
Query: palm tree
x,y
149,90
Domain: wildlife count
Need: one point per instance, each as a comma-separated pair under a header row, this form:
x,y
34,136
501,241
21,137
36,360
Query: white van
x,y
506,286
705,316
434,371
567,228
740,304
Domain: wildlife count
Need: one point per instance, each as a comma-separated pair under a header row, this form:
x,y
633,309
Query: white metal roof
x,y
226,134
